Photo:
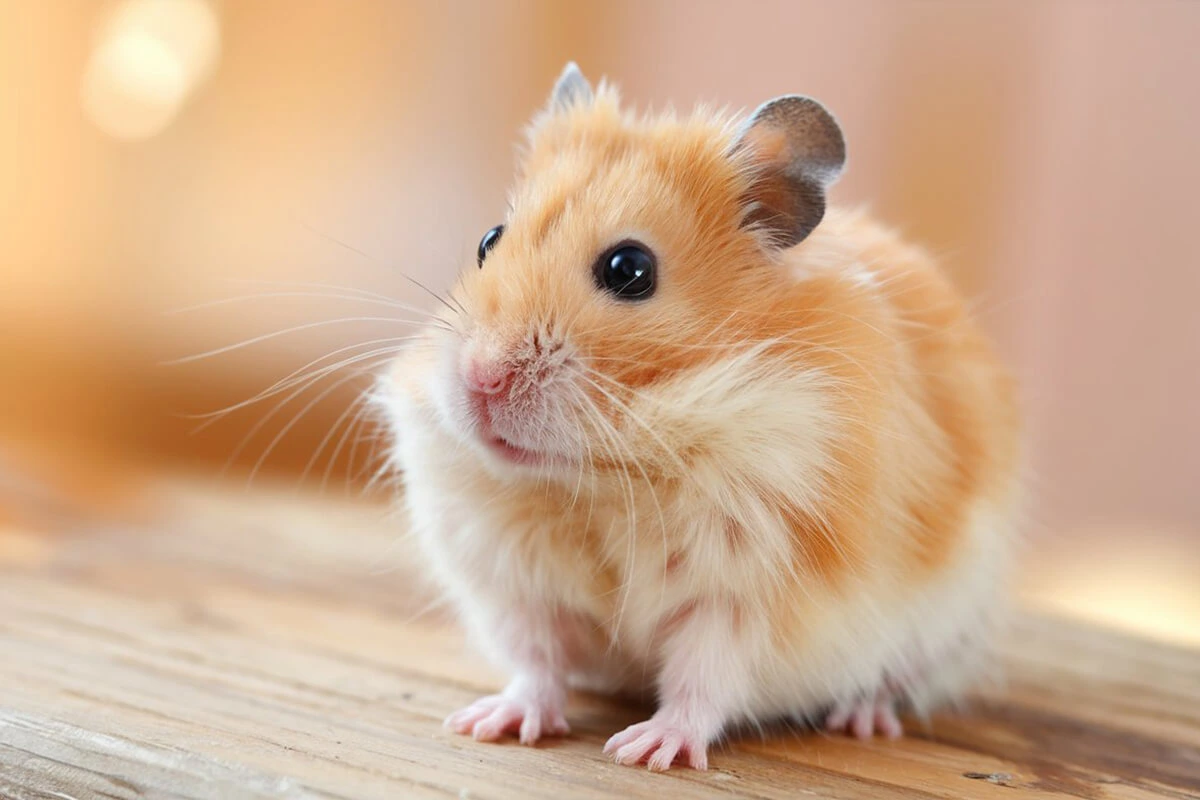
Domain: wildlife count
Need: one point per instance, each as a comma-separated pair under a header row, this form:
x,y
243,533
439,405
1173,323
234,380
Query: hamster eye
x,y
486,244
627,271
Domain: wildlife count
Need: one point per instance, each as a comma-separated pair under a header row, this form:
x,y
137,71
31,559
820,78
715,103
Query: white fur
x,y
764,427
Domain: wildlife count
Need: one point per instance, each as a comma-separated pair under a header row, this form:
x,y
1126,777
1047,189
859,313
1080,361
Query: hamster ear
x,y
570,89
795,150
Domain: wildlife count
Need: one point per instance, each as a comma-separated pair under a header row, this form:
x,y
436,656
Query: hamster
x,y
683,432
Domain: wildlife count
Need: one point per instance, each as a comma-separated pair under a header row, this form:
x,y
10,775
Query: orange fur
x,y
816,445
914,335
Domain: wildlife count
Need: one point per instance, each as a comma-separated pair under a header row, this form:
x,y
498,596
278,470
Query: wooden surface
x,y
264,647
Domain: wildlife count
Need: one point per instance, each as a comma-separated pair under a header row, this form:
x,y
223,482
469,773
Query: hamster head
x,y
635,250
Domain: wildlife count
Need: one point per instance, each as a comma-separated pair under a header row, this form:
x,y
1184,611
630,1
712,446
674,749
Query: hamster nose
x,y
490,378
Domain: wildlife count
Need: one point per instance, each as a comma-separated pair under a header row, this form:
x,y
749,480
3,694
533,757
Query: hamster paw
x,y
490,718
659,742
863,718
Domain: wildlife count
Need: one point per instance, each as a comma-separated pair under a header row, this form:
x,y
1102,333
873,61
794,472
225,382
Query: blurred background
x,y
184,176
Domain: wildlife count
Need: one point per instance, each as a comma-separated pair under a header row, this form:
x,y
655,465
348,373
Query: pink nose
x,y
488,377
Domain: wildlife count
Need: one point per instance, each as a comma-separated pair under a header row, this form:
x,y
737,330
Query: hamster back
x,y
689,433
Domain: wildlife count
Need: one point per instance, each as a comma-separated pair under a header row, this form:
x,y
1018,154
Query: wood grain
x,y
267,647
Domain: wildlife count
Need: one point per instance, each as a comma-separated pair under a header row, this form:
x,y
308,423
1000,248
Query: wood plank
x,y
273,647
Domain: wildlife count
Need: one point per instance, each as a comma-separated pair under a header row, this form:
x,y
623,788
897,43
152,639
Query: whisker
x,y
357,439
606,429
322,295
296,419
370,257
629,413
628,498
352,436
299,375
275,334
313,285
281,404
337,424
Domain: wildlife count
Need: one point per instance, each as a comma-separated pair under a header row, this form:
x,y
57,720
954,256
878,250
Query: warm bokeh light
x,y
149,56
1128,577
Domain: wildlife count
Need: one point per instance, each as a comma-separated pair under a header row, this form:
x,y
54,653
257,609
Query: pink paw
x,y
864,717
490,718
658,742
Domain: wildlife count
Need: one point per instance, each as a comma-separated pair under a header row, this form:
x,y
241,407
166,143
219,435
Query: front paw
x,y
659,741
492,717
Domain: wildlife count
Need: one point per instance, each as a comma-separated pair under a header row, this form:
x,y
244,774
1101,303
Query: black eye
x,y
486,244
627,271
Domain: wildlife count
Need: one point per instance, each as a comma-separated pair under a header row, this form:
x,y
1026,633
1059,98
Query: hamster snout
x,y
512,394
488,379
487,385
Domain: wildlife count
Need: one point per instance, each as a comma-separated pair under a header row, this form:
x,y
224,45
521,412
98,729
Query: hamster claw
x,y
866,717
659,743
490,718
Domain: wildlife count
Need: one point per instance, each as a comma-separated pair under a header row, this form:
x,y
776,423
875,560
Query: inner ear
x,y
794,150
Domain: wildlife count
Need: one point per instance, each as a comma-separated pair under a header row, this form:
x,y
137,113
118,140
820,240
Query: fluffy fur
x,y
782,486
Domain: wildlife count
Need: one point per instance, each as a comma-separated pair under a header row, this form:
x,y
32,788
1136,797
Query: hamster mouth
x,y
498,445
511,452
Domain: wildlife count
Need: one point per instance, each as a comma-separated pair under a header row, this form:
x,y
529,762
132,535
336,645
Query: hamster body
x,y
688,434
